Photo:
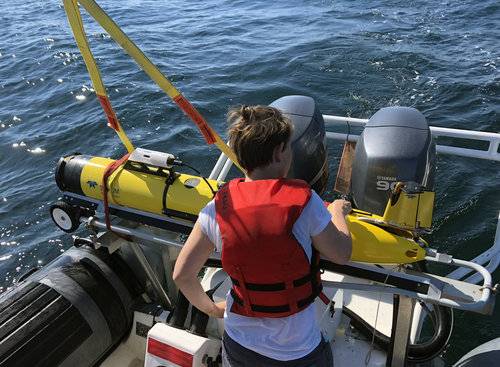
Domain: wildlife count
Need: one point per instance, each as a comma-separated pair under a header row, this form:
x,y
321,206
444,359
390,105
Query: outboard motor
x,y
308,140
395,146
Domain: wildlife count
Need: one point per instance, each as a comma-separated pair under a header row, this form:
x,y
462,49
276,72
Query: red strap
x,y
110,113
198,119
108,171
322,296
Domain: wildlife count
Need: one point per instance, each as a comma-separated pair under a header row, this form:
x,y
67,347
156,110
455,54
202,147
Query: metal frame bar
x,y
433,295
490,256
401,330
218,166
150,273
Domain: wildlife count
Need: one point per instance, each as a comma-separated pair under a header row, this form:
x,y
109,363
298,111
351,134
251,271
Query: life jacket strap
x,y
280,286
296,306
301,304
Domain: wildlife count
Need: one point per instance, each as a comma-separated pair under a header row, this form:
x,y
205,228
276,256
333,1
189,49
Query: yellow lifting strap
x,y
75,21
153,72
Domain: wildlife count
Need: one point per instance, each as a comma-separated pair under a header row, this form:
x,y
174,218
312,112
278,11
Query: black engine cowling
x,y
308,140
396,145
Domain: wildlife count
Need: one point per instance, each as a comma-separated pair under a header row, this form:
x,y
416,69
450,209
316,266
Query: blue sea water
x,y
353,57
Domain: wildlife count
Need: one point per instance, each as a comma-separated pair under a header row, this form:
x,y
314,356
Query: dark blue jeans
x,y
235,355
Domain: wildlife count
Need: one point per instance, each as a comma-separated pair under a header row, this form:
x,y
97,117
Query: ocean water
x,y
353,57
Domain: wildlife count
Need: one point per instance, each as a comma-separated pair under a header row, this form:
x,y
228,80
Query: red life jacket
x,y
270,271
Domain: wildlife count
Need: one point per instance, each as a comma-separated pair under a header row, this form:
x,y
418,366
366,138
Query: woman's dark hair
x,y
254,132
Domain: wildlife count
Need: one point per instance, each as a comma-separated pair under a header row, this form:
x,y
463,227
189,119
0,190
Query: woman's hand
x,y
340,207
335,242
218,310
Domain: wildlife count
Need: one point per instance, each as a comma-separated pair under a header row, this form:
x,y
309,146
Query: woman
x,y
270,231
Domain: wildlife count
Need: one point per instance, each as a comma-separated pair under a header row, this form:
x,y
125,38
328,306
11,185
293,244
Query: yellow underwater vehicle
x,y
385,227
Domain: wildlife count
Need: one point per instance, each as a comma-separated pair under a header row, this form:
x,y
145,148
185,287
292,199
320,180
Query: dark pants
x,y
235,355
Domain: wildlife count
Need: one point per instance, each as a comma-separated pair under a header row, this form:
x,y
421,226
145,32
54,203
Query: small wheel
x,y
65,216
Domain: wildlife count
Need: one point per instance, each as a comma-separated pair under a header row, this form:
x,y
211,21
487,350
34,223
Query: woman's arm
x,y
192,257
335,242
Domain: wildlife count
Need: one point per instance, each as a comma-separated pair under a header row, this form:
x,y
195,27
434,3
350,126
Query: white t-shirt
x,y
284,338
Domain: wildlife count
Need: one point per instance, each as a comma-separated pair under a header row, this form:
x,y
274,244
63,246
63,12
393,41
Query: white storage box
x,y
171,347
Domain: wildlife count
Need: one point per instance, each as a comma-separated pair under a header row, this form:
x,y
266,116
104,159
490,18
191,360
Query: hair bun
x,y
246,112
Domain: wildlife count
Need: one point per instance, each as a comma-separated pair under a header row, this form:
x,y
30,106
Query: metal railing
x,y
491,153
490,259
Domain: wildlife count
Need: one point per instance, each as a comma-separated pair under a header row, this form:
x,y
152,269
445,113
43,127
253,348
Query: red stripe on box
x,y
169,353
